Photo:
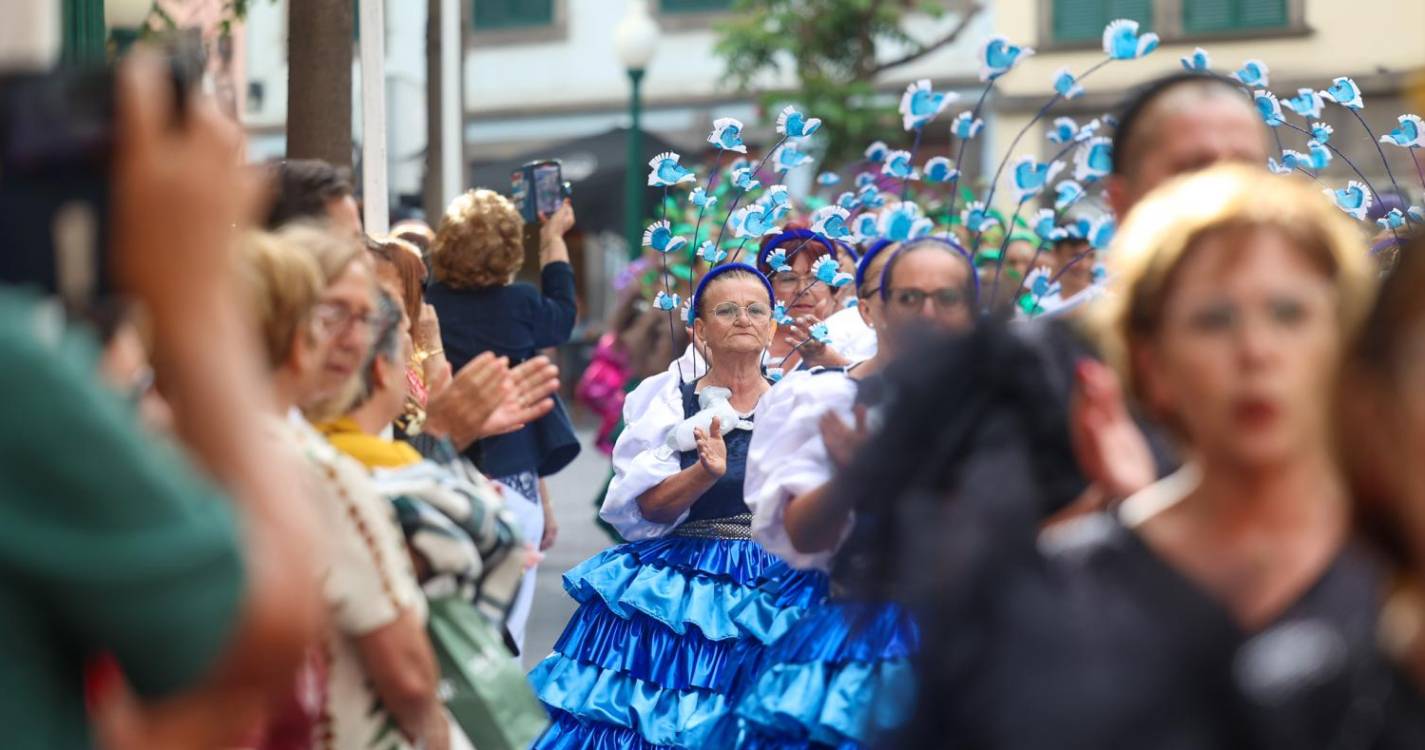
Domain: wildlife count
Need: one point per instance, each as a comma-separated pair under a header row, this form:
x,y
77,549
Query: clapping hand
x,y
712,450
529,395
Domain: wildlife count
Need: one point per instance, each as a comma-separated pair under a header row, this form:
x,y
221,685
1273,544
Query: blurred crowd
x,y
306,498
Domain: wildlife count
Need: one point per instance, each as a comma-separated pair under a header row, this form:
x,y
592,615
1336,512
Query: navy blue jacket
x,y
515,321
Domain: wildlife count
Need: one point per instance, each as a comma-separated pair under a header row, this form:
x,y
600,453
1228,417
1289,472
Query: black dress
x,y
1089,640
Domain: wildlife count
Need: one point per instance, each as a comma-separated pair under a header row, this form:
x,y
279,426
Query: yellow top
x,y
373,451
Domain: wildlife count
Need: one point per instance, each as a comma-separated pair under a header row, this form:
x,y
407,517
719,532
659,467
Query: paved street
x,y
573,492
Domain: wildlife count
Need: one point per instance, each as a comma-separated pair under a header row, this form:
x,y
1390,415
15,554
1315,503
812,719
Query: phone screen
x,y
548,188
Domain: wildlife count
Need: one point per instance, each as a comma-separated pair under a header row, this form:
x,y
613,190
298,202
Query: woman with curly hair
x,y
477,251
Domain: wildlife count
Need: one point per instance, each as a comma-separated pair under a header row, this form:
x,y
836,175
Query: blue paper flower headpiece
x,y
800,239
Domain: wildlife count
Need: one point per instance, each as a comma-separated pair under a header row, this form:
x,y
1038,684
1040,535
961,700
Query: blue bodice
x,y
724,498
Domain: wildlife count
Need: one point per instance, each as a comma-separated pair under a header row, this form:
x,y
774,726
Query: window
x,y
694,6
497,15
1083,20
1213,16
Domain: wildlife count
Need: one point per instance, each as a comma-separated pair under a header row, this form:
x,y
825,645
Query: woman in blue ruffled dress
x,y
840,676
669,624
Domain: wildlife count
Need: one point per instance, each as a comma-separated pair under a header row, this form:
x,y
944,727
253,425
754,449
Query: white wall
x,y
582,68
551,91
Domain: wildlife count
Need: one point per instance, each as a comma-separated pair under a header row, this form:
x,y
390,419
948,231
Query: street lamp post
x,y
635,40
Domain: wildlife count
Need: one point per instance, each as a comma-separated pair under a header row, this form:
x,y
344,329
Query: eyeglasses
x,y
729,312
790,279
913,300
332,318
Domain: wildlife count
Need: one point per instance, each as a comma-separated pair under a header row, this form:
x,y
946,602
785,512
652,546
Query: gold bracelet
x,y
421,357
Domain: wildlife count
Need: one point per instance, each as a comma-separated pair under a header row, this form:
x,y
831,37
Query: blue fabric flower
x,y
666,302
660,237
1354,199
1093,160
726,135
1066,194
1346,93
1269,108
1066,85
1410,133
1121,40
998,56
1307,103
1197,61
1253,74
940,169
920,104
898,165
966,126
830,221
876,152
666,171
794,124
1031,175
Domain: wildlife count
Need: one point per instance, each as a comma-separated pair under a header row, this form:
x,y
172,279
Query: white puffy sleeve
x,y
642,458
787,457
850,336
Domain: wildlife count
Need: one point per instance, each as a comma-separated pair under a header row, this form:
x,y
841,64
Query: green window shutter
x,y
1210,16
512,14
1258,14
1083,20
694,6
84,34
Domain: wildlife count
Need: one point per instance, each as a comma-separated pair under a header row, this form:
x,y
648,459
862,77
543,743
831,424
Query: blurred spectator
x,y
311,189
129,557
478,249
399,267
379,668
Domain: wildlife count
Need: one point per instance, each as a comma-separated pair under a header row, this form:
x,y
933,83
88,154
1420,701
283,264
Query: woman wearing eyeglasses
x,y
808,301
668,623
839,676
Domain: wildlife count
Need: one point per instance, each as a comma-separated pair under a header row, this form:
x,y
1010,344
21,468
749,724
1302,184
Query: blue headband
x,y
951,245
849,249
793,234
868,258
718,271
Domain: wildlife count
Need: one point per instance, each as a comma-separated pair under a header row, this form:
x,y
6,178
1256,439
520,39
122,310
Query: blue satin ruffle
x,y
629,580
839,632
828,703
568,733
654,653
840,676
683,718
597,636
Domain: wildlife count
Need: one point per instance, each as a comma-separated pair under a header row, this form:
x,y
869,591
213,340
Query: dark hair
x,y
736,270
1373,360
944,243
303,189
1140,102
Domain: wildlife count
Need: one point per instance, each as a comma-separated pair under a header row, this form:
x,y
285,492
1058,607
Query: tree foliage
x,y
832,47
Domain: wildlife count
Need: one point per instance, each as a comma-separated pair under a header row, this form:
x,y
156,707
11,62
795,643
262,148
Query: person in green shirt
x,y
188,572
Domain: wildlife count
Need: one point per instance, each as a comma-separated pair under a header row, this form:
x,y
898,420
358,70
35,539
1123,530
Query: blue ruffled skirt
x,y
666,631
839,678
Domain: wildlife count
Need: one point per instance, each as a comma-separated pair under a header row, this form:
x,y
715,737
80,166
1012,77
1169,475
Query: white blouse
x,y
850,336
788,458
